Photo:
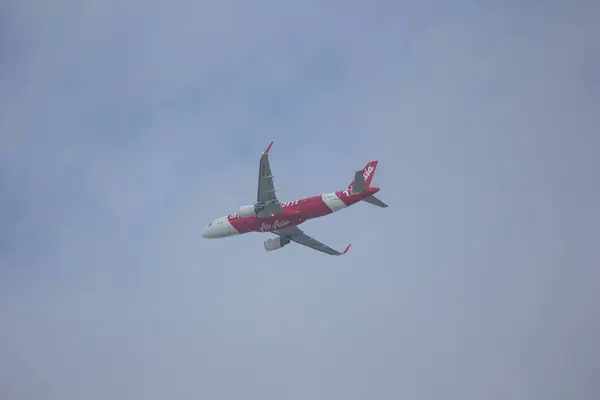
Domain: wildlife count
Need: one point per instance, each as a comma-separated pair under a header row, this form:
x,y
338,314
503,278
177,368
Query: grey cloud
x,y
127,126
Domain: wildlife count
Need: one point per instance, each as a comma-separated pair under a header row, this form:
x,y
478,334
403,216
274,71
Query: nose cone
x,y
219,228
207,232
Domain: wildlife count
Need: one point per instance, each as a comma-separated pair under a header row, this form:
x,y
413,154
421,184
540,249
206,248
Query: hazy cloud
x,y
126,126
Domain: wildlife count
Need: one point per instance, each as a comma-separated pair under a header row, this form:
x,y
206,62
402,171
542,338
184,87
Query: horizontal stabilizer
x,y
375,201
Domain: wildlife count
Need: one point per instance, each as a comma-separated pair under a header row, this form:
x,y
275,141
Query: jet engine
x,y
274,244
249,210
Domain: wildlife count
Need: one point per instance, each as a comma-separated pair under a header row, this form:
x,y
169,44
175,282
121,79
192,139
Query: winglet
x,y
347,248
268,148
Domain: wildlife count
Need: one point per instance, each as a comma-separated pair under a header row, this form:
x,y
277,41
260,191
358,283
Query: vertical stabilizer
x,y
367,173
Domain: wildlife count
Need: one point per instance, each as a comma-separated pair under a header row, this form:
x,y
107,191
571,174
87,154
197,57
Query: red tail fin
x,y
368,172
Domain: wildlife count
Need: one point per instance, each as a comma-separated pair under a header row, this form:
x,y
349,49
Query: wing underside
x,y
266,188
295,234
266,197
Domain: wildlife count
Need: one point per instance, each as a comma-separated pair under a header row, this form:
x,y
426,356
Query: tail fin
x,y
362,179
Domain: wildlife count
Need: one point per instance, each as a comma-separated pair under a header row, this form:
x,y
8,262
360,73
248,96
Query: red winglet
x,y
348,247
269,148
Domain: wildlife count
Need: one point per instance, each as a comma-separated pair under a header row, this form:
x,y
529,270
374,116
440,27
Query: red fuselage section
x,y
299,211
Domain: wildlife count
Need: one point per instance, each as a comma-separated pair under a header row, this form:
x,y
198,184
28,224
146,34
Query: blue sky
x,y
126,126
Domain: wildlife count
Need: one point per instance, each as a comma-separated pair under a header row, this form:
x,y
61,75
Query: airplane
x,y
268,214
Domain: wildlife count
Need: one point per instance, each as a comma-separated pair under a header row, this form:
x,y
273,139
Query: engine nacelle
x,y
274,244
249,210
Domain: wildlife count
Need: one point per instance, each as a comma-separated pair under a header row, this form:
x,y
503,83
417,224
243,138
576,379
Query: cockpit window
x,y
210,224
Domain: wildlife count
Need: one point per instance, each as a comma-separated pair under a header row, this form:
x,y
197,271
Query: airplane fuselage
x,y
295,213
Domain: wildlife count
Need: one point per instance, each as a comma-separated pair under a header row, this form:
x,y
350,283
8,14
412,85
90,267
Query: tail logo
x,y
368,172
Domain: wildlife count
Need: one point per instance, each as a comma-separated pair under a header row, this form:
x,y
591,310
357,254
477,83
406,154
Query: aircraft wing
x,y
266,188
295,234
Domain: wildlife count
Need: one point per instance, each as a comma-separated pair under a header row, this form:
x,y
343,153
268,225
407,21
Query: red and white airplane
x,y
282,219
